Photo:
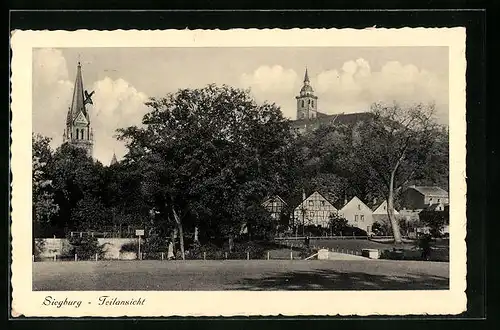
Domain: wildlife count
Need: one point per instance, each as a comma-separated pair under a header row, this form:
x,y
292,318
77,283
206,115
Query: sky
x,y
345,79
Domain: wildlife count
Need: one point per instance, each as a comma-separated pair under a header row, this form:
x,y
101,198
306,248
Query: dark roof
x,y
430,190
325,119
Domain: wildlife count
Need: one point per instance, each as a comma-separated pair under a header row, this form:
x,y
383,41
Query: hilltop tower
x,y
307,102
78,130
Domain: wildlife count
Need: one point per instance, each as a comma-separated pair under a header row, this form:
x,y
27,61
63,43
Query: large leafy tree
x,y
209,155
397,146
76,177
43,205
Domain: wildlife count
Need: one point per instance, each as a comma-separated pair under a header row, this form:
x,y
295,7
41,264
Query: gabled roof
x,y
430,190
380,209
272,198
356,200
317,193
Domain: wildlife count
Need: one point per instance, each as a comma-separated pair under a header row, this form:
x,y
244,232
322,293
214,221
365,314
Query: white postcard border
x,y
231,303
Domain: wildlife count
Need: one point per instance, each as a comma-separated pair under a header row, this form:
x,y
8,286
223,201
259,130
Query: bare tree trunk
x,y
181,233
231,244
196,239
390,211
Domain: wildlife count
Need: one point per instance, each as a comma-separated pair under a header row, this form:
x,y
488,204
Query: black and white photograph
x,y
329,169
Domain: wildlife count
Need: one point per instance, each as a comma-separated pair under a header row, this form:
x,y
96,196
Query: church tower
x,y
78,131
307,102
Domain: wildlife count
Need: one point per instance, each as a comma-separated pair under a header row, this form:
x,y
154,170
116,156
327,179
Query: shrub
x,y
130,247
38,247
85,247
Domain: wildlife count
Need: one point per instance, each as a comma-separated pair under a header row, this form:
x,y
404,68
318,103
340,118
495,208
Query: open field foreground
x,y
240,275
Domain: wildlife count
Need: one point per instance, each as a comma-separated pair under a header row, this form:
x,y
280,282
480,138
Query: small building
x,y
380,213
420,197
358,214
314,210
275,205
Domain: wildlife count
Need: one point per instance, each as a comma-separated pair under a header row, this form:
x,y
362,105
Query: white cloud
x,y
116,104
273,84
355,86
266,79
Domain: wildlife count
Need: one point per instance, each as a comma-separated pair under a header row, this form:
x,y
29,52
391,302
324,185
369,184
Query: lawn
x,y
240,275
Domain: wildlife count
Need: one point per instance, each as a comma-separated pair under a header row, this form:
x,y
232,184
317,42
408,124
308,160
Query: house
x,y
420,197
380,213
314,210
358,214
275,205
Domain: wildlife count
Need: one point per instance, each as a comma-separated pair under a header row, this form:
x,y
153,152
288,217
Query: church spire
x,y
78,131
77,103
306,77
113,160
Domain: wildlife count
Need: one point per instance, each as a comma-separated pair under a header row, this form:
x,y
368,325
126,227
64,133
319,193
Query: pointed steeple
x,y
306,77
113,160
77,103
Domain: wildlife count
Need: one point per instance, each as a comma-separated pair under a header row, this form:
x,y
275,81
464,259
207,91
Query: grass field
x,y
240,275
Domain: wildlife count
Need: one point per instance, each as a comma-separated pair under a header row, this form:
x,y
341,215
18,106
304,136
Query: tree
x,y
337,224
207,155
43,205
395,146
76,176
435,220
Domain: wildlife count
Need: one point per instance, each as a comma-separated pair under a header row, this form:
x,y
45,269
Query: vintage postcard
x,y
239,172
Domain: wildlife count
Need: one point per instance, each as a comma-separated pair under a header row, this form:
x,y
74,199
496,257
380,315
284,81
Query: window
x,y
430,199
311,214
312,103
362,218
439,200
384,207
356,218
359,206
302,103
311,203
322,203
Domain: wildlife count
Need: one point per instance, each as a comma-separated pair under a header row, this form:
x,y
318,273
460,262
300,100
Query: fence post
x,y
204,256
96,257
248,255
267,255
76,257
162,256
55,257
225,253
291,255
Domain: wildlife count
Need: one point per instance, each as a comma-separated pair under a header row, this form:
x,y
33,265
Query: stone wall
x,y
50,247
